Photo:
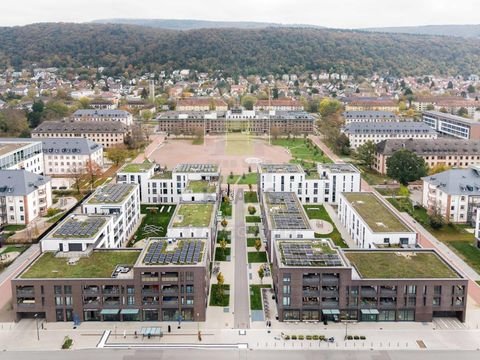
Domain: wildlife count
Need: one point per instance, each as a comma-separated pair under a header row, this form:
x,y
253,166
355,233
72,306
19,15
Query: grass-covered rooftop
x,y
136,168
381,264
201,186
377,216
100,264
193,215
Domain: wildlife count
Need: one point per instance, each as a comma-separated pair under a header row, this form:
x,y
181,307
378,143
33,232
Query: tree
x,y
471,89
258,244
450,85
342,145
403,191
430,107
252,210
224,223
366,153
35,116
462,112
329,107
438,169
248,102
144,94
223,245
14,123
436,219
77,174
220,282
117,154
94,171
406,166
146,115
261,274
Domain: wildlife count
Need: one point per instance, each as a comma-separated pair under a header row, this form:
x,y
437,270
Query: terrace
x,y
164,175
193,215
79,227
308,254
168,252
99,264
201,186
111,194
196,168
380,264
136,168
376,214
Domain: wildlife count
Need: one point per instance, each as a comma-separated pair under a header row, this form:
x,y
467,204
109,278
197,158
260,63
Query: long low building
x,y
314,281
106,133
166,281
103,115
359,133
257,122
369,116
371,223
438,152
452,125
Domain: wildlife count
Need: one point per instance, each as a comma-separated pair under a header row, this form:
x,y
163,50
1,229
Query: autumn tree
x,y
117,154
93,171
366,153
261,274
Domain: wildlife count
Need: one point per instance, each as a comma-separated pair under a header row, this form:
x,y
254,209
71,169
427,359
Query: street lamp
x,y
36,323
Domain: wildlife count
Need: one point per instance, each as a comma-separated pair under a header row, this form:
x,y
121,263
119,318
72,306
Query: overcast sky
x,y
333,13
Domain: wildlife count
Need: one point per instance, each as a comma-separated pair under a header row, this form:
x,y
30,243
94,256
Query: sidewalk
x,y
341,229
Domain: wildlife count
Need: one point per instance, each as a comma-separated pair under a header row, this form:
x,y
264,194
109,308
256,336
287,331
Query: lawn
x,y
319,212
9,228
100,264
390,265
13,248
251,242
55,218
153,216
256,296
220,296
221,255
302,149
468,252
136,168
250,197
232,179
201,186
372,177
248,179
226,208
224,235
195,215
257,257
253,230
253,219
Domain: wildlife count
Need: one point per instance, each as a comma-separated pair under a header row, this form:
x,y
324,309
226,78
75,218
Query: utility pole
x,y
36,323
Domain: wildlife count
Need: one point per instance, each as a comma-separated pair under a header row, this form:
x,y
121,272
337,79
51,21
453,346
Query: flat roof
x,y
375,213
78,227
281,168
201,186
111,194
395,264
193,215
312,253
136,168
6,148
99,264
338,168
285,211
446,116
162,252
196,168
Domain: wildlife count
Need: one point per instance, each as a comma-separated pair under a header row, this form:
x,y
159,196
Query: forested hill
x,y
271,50
445,30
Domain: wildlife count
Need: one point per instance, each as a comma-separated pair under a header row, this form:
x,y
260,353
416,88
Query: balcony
x,y
91,291
329,280
388,304
25,292
311,279
170,303
368,292
330,293
388,292
109,291
329,304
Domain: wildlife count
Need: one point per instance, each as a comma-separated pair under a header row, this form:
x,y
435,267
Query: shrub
x,y
321,337
301,337
349,337
362,337
294,337
287,337
356,337
309,337
315,337
67,343
52,212
252,210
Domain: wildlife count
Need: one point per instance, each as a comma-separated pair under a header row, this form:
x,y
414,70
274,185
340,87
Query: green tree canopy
x,y
329,107
405,166
366,153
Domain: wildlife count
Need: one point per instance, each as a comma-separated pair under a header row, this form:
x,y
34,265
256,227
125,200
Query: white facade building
x,y
24,196
103,115
371,223
21,154
322,186
369,116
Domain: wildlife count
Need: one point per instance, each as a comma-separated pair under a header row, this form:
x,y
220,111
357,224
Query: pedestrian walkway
x,y
341,229
241,302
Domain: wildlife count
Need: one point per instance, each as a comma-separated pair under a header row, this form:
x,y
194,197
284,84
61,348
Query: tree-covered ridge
x,y
255,51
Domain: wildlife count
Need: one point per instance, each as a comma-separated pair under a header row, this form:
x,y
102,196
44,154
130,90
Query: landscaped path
x,y
241,305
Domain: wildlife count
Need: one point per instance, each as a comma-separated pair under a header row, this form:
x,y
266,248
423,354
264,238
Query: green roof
x,y
163,175
201,186
136,168
375,213
99,264
391,264
193,215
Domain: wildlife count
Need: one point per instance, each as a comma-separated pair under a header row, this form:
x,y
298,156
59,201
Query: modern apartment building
x,y
186,182
105,133
103,115
166,281
66,156
314,281
21,154
359,133
371,223
369,116
438,152
452,125
454,194
24,196
317,187
237,120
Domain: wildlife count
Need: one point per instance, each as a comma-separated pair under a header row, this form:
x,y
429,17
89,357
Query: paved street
x,y
241,304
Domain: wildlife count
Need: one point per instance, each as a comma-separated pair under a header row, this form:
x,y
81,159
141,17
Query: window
x,y
68,301
286,301
286,289
437,300
411,289
67,289
130,300
59,315
406,315
58,300
286,278
57,289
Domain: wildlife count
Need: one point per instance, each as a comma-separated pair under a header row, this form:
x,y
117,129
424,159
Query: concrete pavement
x,y
241,302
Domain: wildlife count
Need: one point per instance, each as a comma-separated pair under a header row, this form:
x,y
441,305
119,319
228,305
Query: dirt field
x,y
233,152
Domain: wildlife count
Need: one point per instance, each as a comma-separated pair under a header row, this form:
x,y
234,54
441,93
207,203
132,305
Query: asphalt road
x,y
182,354
241,302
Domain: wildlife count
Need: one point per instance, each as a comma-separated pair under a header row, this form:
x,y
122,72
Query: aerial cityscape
x,y
209,181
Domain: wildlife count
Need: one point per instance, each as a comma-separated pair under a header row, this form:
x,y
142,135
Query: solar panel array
x,y
193,168
75,228
286,212
112,193
189,252
303,254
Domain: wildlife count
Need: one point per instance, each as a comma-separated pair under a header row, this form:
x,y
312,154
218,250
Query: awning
x,y
109,311
369,311
330,312
129,311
